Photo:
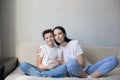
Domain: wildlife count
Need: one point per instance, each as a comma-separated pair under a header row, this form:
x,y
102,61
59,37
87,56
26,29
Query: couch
x,y
27,52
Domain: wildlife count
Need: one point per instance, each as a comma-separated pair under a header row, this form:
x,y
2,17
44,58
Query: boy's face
x,y
49,39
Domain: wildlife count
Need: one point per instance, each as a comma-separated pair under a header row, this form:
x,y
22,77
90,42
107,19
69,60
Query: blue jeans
x,y
74,68
32,70
104,66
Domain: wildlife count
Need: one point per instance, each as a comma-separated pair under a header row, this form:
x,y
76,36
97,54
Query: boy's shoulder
x,y
43,46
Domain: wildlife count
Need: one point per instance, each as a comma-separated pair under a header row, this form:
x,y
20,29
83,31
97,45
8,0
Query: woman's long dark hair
x,y
66,39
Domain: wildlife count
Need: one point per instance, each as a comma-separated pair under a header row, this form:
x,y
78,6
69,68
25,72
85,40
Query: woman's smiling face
x,y
59,35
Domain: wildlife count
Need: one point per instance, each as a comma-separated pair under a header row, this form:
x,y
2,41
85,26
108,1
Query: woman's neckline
x,y
66,44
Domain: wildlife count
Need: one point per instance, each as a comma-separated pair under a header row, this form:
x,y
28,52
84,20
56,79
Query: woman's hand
x,y
38,49
61,60
81,61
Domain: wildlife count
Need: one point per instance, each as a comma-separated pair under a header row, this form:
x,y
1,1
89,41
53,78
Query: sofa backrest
x,y
27,52
95,54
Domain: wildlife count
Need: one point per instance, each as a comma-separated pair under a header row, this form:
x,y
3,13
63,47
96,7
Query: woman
x,y
77,64
49,59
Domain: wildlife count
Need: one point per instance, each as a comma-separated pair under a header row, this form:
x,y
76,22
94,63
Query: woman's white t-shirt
x,y
49,55
72,50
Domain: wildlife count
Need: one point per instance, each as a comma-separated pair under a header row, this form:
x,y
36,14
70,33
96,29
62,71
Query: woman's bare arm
x,y
81,60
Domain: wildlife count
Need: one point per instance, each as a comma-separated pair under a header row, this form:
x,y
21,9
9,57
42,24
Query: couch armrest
x,y
7,65
1,72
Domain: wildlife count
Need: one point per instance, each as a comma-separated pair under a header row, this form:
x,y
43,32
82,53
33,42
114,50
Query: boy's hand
x,y
54,64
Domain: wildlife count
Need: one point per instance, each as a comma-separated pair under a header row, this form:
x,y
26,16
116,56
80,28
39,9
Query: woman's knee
x,y
114,60
71,62
74,67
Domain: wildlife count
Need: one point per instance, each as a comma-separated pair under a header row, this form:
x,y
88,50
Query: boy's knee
x,y
23,65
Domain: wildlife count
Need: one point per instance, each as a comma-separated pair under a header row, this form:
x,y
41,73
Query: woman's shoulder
x,y
74,41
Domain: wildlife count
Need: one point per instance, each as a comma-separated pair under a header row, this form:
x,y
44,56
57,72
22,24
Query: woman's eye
x,y
46,38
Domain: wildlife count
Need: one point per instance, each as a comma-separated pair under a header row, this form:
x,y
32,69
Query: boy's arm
x,y
54,64
39,61
40,65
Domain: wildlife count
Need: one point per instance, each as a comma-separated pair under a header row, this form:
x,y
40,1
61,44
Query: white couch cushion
x,y
19,75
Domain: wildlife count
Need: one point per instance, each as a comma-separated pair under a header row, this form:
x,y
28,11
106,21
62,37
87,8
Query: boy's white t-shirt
x,y
49,55
72,50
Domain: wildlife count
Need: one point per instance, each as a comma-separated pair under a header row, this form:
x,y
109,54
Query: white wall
x,y
92,22
0,29
0,49
8,27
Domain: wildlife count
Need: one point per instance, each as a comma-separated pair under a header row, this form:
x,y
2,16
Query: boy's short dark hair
x,y
47,31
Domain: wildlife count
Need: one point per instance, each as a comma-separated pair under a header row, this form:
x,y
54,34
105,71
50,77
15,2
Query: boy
x,y
49,59
49,55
